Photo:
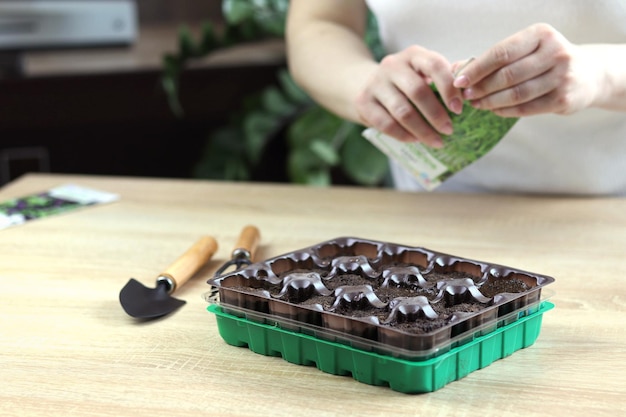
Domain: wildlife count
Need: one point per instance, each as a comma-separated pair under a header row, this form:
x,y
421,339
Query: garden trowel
x,y
146,303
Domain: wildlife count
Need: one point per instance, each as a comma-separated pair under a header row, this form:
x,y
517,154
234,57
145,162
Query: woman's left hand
x,y
537,70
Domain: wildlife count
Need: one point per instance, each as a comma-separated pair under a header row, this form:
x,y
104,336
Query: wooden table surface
x,y
68,349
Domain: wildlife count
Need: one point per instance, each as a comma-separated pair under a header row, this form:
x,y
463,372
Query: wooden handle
x,y
189,262
248,241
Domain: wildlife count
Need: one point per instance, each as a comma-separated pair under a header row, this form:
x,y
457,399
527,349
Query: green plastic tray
x,y
375,369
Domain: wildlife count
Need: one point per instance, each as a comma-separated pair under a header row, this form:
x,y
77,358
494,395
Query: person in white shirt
x,y
558,65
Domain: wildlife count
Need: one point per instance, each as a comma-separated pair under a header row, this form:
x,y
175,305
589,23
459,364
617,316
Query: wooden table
x,y
67,347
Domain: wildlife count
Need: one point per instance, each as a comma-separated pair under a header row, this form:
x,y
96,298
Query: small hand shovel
x,y
142,302
244,249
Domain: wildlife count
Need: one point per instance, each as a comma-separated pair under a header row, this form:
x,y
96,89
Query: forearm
x,y
330,61
611,93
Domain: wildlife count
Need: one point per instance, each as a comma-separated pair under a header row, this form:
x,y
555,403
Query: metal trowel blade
x,y
143,302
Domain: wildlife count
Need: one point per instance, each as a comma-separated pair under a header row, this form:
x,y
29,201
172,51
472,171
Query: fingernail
x,y
461,81
447,129
475,104
468,94
456,105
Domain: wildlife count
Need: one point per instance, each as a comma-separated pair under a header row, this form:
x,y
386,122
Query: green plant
x,y
318,143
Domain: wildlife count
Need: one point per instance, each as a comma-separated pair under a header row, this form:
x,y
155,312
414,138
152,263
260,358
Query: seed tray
x,y
375,369
400,301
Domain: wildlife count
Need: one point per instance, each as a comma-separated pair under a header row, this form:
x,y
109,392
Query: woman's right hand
x,y
398,100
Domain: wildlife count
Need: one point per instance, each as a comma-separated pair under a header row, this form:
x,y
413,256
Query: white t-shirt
x,y
583,153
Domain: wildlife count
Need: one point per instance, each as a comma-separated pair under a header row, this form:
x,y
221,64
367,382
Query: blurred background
x,y
101,110
167,11
166,88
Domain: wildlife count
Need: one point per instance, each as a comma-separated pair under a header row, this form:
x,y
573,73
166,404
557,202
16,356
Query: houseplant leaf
x,y
222,157
325,152
362,161
258,128
236,11
304,168
186,44
275,102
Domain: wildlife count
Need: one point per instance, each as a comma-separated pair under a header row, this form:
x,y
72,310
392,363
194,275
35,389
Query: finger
x,y
529,108
451,96
425,101
381,119
459,66
413,91
440,73
378,118
431,109
502,54
415,122
520,93
508,76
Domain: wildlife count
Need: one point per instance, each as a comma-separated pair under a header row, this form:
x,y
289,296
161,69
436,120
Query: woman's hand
x,y
534,71
397,98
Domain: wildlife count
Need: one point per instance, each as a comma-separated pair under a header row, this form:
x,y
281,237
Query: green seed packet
x,y
49,203
476,132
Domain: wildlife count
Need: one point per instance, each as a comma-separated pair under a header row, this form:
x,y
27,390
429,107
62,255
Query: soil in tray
x,y
358,305
403,297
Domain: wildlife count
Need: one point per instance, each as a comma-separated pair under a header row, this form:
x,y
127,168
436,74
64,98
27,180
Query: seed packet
x,y
51,202
476,132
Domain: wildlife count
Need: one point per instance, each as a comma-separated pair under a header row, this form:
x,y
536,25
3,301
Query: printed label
x,y
54,201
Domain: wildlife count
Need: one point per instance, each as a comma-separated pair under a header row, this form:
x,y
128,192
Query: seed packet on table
x,y
476,132
47,203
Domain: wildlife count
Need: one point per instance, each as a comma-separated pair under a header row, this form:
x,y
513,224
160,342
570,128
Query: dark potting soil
x,y
363,309
358,306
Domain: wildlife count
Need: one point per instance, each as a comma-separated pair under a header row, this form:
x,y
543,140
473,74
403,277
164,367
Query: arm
x,y
538,71
328,58
326,53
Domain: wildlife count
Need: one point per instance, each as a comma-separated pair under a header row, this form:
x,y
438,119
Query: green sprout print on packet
x,y
36,206
476,132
